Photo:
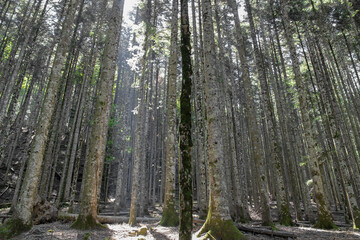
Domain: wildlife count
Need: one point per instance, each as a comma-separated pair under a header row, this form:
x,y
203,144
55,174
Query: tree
x,y
169,215
324,214
88,210
140,129
218,222
186,188
22,219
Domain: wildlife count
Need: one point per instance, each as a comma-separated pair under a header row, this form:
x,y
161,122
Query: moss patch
x,y
356,220
142,231
169,218
325,223
87,223
285,217
215,228
12,228
87,236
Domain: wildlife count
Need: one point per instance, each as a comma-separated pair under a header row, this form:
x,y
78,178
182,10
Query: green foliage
x,y
274,228
129,150
303,164
109,159
12,228
87,236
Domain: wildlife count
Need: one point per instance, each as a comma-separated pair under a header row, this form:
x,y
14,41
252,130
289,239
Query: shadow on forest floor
x,y
62,231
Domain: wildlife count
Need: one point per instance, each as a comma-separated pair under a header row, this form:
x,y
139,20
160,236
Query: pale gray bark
x,y
139,131
309,131
219,212
255,136
98,139
30,185
169,211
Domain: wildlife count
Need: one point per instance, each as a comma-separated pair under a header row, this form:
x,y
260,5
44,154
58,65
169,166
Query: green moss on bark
x,y
325,222
285,217
87,223
220,229
356,220
169,218
12,228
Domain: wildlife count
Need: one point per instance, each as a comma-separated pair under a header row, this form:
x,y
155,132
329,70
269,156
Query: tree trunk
x,y
169,216
218,222
95,158
29,187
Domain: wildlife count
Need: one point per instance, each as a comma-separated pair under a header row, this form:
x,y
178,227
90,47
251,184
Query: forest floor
x,y
62,231
303,230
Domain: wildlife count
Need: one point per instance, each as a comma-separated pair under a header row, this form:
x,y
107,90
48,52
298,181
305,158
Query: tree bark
x,y
95,158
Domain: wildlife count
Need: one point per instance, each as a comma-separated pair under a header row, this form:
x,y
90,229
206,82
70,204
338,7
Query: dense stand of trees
x,y
93,111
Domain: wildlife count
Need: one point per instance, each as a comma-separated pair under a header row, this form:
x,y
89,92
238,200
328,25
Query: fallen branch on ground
x,y
107,219
266,232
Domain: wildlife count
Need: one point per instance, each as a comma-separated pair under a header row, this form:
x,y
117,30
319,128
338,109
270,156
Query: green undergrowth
x,y
12,228
325,224
285,217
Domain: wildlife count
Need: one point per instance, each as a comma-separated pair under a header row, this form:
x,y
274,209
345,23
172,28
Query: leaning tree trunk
x,y
30,184
276,157
324,214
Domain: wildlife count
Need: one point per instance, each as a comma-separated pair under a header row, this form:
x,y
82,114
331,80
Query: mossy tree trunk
x,y
185,170
89,198
218,223
169,216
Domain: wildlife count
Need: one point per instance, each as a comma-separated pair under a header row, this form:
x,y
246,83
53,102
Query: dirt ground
x,y
62,231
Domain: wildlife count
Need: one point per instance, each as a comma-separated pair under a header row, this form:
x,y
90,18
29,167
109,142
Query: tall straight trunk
x,y
97,145
185,169
218,223
202,196
169,216
76,128
29,187
139,129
